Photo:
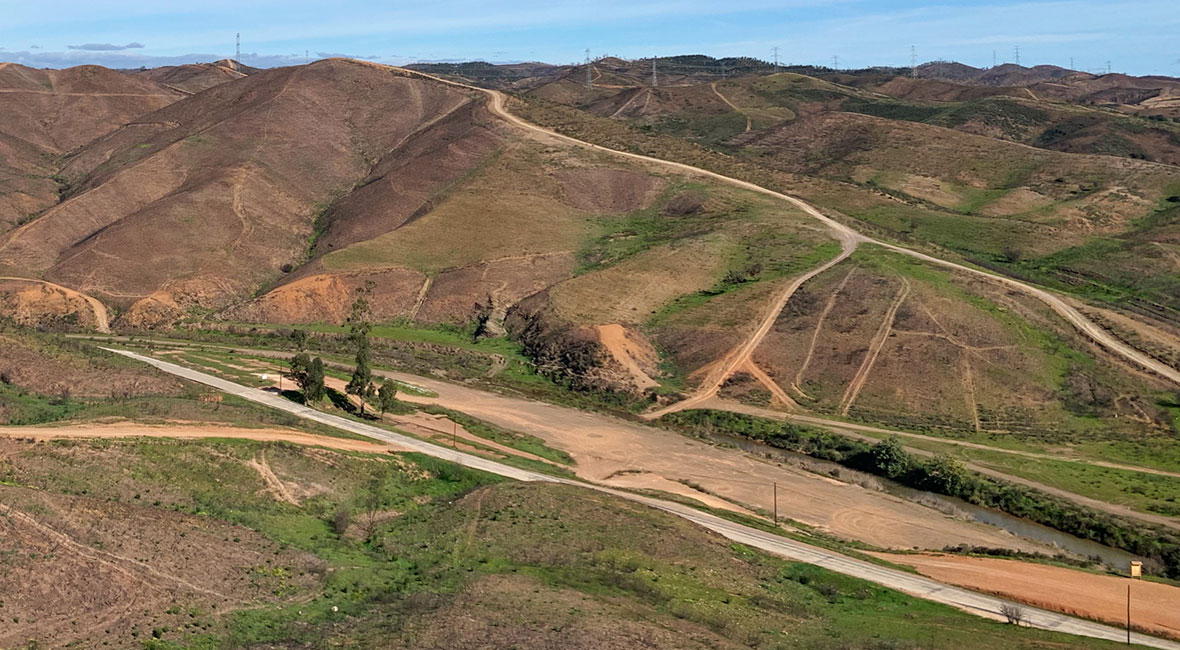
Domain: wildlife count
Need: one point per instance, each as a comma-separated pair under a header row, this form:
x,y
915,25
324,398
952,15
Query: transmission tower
x,y
587,67
1017,55
654,82
835,62
914,61
1108,67
775,50
238,53
1071,63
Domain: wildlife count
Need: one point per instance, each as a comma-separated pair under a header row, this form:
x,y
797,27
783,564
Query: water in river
x,y
1112,557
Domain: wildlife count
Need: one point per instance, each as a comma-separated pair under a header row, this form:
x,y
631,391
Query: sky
x,y
1136,37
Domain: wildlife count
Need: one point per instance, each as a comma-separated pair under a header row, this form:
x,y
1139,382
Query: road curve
x,y
102,321
915,585
844,233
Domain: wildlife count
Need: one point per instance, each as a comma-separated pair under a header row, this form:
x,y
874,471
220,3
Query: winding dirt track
x,y
749,124
849,240
101,318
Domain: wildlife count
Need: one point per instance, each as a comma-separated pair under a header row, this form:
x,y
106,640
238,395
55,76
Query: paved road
x,y
979,604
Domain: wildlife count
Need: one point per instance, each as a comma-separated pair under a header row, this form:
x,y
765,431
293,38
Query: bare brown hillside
x,y
192,78
198,204
51,112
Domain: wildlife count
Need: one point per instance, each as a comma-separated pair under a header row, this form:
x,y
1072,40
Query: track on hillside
x,y
969,601
849,239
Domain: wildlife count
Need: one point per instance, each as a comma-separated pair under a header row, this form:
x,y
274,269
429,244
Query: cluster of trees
x,y
944,474
308,373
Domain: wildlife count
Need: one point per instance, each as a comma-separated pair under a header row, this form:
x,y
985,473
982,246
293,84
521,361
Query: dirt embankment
x,y
1155,607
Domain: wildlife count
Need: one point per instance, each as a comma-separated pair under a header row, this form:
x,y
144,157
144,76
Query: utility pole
x,y
775,50
238,54
776,507
454,434
654,82
914,61
587,67
1128,613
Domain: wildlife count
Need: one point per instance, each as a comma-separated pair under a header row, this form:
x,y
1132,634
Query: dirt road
x,y
191,432
975,603
101,318
849,239
862,432
749,124
1101,597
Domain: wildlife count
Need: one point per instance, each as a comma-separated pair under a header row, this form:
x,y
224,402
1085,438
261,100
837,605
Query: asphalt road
x,y
975,603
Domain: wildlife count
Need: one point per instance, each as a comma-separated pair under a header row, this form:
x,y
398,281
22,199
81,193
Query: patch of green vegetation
x,y
404,540
747,269
943,474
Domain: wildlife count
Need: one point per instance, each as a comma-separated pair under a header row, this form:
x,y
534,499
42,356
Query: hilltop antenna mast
x,y
775,50
914,61
654,83
587,67
238,53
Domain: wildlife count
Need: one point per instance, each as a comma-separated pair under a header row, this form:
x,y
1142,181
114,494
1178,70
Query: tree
x,y
1014,613
891,458
308,373
299,338
314,391
300,364
387,396
361,382
945,475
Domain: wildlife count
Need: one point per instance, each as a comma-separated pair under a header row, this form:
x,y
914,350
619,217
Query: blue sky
x,y
1137,37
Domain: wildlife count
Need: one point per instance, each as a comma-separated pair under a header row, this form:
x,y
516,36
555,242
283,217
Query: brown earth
x,y
607,450
501,611
632,352
189,431
30,365
38,303
85,571
1100,597
192,78
230,180
608,190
